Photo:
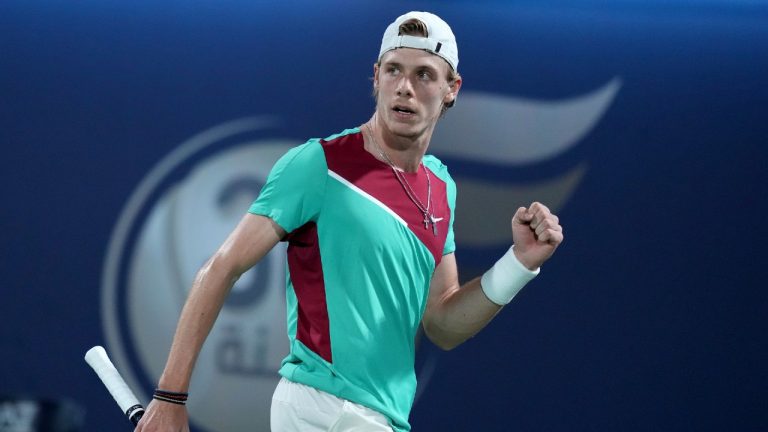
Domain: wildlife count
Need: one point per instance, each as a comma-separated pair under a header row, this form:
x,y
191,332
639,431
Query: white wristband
x,y
506,278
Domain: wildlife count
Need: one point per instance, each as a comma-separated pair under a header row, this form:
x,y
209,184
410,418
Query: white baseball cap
x,y
439,41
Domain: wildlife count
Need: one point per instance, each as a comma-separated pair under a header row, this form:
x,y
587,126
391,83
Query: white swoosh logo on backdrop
x,y
484,209
507,130
510,131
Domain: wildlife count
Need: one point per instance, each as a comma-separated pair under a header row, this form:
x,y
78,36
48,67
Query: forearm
x,y
205,300
456,313
459,314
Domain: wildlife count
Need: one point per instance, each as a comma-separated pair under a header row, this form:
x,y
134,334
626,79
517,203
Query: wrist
x,y
506,278
173,382
178,398
521,259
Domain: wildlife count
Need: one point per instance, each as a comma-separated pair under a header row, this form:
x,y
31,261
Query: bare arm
x,y
251,240
456,313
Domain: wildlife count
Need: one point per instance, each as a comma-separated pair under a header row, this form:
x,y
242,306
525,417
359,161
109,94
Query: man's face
x,y
412,86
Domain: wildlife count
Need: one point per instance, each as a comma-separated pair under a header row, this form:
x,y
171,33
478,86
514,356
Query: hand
x,y
536,233
164,417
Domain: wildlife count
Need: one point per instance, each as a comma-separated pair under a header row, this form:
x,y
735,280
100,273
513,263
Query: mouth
x,y
400,109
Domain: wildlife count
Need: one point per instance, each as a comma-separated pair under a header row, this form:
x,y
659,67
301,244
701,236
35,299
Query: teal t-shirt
x,y
360,260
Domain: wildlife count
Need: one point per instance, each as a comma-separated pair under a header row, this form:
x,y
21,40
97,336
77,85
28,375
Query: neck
x,y
404,152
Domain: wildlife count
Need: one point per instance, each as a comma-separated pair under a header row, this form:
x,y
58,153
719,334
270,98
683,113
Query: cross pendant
x,y
434,224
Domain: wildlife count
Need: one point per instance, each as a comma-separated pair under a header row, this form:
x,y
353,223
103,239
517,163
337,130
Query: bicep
x,y
445,281
455,313
249,242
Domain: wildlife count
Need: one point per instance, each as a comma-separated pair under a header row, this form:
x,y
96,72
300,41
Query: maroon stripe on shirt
x,y
306,270
347,157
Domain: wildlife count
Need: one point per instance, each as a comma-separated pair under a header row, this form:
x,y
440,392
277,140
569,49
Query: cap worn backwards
x,y
439,41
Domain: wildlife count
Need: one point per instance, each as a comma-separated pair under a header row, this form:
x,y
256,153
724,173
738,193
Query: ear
x,y
375,76
453,92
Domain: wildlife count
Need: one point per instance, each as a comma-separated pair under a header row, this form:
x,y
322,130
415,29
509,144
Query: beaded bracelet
x,y
172,397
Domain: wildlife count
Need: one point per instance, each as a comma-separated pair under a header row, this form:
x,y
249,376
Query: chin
x,y
400,127
407,131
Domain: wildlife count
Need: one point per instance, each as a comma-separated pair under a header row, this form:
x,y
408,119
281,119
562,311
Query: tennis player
x,y
368,217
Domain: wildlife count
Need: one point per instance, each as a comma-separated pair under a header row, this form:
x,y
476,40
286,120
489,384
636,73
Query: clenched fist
x,y
536,233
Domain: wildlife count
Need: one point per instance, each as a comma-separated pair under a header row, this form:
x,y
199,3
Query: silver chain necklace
x,y
429,217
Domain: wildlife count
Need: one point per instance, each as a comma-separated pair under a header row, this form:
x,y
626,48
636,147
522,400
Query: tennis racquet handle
x,y
98,359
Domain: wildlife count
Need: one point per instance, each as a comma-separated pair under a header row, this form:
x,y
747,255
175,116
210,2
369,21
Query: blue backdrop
x,y
126,127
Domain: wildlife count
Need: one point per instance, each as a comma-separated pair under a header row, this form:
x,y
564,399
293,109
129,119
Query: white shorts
x,y
300,408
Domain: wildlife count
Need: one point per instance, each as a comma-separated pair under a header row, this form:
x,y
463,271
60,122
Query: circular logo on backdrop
x,y
188,204
173,222
177,217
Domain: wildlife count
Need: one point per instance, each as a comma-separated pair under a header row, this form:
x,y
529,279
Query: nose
x,y
404,87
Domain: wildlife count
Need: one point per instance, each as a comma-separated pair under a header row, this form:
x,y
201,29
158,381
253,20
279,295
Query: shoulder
x,y
341,136
313,150
304,158
342,143
438,168
316,153
344,149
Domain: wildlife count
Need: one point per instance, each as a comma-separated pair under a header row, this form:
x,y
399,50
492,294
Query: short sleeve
x,y
450,243
295,188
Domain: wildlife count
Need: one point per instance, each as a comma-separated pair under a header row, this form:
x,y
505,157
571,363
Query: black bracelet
x,y
169,396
